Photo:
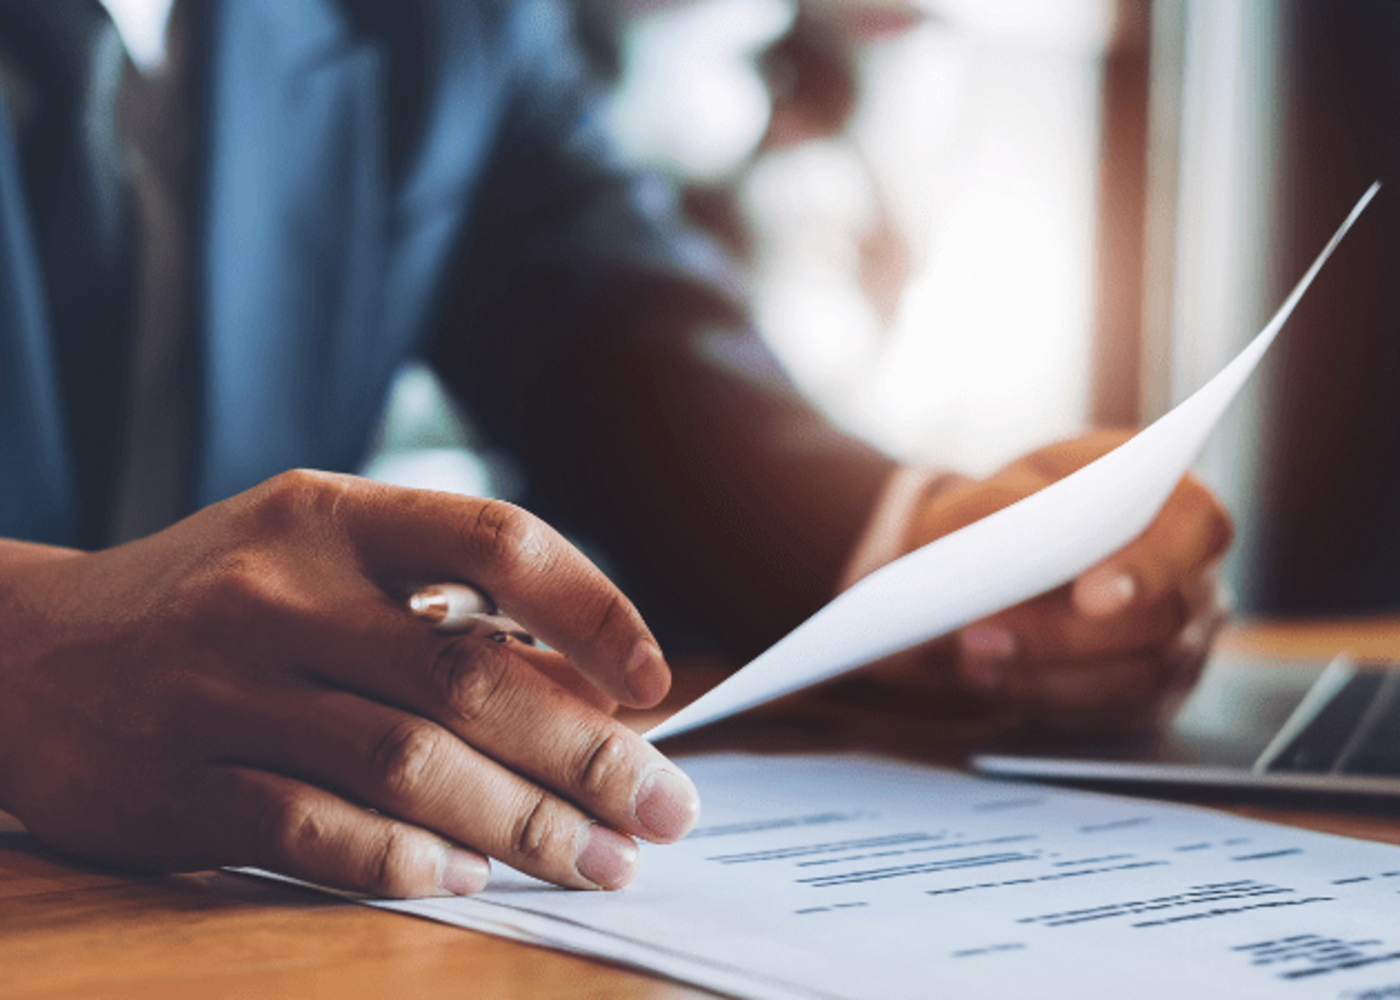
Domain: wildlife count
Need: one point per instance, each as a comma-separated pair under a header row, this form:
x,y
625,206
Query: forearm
x,y
728,501
576,333
732,498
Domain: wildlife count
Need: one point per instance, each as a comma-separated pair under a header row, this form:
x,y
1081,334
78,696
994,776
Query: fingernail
x,y
667,804
608,859
464,874
985,650
1104,591
646,677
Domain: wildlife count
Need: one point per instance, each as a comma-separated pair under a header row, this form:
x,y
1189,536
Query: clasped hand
x,y
1108,651
248,687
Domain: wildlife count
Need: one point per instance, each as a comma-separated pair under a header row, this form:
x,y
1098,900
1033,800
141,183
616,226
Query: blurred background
x,y
977,226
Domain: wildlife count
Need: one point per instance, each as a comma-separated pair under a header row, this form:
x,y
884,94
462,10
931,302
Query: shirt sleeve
x,y
606,345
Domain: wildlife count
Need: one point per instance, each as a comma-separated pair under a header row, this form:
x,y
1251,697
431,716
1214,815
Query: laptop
x,y
1250,724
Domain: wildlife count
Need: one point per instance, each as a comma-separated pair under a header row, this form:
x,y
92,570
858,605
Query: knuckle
x,y
615,607
291,499
505,537
260,569
496,531
537,830
468,675
604,765
405,758
393,866
290,829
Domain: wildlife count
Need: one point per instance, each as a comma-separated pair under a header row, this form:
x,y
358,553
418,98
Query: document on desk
x,y
1026,549
847,876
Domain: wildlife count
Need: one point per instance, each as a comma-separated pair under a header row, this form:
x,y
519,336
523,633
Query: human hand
x,y
1111,649
249,687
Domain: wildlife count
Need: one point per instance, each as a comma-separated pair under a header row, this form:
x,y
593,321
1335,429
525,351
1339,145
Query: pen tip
x,y
429,606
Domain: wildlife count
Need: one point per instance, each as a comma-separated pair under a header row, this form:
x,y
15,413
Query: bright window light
x,y
984,150
989,352
141,23
693,100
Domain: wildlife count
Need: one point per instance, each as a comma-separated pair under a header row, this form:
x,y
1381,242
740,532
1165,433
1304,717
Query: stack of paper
x,y
853,877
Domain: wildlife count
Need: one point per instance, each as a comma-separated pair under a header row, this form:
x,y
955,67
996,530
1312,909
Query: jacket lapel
x,y
295,236
315,278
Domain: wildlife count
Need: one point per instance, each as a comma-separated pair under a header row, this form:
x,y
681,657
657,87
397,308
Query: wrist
x,y
17,616
886,533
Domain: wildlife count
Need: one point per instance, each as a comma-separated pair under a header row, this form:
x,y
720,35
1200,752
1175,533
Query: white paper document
x,y
1026,549
850,876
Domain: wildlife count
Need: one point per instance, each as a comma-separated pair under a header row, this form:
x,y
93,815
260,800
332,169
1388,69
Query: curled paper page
x,y
1026,549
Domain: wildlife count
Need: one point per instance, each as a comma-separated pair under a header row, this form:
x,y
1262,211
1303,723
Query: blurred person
x,y
209,273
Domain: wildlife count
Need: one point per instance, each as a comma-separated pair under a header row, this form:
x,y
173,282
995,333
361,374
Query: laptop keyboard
x,y
1356,732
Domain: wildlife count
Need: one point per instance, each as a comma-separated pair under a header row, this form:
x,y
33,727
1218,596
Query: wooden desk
x,y
71,931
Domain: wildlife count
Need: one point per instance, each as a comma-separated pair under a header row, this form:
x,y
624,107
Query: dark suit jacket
x,y
385,178
355,156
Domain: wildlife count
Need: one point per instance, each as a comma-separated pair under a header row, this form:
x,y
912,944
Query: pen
x,y
460,607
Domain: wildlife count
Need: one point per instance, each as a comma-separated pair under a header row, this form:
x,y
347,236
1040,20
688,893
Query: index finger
x,y
530,571
1187,536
